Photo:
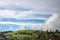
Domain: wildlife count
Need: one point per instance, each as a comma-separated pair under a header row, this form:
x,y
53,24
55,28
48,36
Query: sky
x,y
29,15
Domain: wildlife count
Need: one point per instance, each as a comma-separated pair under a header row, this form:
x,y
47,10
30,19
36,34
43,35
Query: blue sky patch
x,y
24,20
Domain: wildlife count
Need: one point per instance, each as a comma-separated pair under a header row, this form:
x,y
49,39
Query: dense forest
x,y
29,35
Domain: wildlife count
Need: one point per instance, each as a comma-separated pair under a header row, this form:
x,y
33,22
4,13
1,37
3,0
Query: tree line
x,y
29,35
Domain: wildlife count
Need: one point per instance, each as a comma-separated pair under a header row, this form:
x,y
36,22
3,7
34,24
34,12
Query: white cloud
x,y
7,13
20,14
53,22
17,23
40,5
36,5
33,26
14,14
30,26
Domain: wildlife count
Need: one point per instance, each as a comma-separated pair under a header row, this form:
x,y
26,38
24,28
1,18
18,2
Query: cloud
x,y
38,5
23,14
20,26
10,8
13,14
53,22
17,23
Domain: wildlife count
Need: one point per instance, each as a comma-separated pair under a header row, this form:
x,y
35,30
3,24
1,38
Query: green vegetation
x,y
29,35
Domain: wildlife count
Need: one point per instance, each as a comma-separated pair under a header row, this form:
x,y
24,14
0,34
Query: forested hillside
x,y
29,35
